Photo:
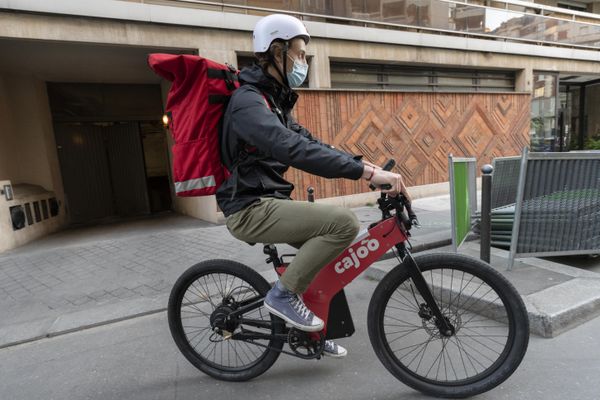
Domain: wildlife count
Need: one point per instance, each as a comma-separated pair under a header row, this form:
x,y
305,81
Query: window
x,y
576,6
543,130
350,75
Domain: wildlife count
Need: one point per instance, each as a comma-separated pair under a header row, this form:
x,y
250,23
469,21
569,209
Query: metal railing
x,y
557,209
563,28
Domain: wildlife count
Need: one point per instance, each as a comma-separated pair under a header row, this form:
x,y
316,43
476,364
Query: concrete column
x,y
320,73
9,167
524,80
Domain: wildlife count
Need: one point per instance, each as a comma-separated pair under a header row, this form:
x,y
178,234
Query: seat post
x,y
271,251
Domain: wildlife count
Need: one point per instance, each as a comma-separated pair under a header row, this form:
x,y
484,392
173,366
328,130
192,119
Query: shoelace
x,y
330,346
300,307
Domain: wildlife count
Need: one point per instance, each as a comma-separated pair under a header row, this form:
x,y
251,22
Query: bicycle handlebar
x,y
412,217
387,167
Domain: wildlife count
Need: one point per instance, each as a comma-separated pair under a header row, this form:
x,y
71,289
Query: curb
x,y
553,310
92,318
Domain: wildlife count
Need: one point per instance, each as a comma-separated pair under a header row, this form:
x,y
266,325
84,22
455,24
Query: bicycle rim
x,y
483,324
197,305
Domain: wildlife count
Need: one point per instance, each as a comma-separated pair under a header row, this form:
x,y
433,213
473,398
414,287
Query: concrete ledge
x,y
552,310
79,320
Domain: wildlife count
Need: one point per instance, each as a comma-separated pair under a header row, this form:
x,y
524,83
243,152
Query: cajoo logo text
x,y
353,260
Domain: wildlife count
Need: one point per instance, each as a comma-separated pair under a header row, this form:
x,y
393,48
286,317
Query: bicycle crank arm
x,y
289,353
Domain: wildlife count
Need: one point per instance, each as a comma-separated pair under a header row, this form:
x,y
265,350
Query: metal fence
x,y
557,207
506,181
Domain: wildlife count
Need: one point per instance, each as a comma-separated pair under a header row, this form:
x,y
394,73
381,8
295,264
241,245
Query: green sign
x,y
462,197
462,212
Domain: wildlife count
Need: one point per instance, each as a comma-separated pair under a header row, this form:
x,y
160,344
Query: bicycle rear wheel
x,y
199,305
489,320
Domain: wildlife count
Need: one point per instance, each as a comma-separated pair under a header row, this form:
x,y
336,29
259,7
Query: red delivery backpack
x,y
196,102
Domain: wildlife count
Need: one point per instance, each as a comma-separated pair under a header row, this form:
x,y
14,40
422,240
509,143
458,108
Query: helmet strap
x,y
285,59
274,62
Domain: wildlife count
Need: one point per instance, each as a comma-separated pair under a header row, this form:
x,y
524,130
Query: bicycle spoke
x,y
202,297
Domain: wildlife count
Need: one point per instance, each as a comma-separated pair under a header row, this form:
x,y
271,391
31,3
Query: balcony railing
x,y
516,21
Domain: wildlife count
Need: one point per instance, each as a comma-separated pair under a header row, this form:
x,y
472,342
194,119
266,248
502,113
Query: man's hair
x,y
264,59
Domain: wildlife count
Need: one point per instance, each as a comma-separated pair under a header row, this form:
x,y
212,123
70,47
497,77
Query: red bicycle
x,y
445,324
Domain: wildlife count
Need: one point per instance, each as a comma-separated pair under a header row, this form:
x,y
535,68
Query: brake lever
x,y
387,167
414,221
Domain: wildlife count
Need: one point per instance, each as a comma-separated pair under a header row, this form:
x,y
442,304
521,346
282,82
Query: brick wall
x,y
418,130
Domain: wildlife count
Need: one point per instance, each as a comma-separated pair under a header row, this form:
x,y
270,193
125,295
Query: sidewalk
x,y
86,277
77,279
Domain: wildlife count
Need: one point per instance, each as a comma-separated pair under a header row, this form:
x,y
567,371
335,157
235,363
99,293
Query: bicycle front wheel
x,y
490,327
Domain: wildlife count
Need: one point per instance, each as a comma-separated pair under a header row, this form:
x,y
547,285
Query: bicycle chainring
x,y
305,345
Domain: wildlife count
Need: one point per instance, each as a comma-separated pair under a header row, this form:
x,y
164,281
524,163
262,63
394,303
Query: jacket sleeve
x,y
255,124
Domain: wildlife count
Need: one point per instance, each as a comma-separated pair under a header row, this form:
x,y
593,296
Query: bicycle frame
x,y
367,248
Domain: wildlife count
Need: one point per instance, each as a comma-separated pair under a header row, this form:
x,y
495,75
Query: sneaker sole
x,y
335,355
304,328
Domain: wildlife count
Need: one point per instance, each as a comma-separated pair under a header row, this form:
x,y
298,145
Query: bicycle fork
x,y
430,308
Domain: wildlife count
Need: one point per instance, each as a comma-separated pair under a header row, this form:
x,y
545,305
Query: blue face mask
x,y
298,74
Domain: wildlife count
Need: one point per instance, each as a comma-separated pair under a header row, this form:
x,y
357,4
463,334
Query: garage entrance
x,y
112,150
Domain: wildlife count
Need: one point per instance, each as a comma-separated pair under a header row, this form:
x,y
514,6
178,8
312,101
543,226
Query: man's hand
x,y
380,177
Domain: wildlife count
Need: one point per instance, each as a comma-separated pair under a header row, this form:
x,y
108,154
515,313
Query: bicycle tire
x,y
227,278
454,307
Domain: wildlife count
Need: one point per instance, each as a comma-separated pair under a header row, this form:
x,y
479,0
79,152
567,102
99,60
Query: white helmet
x,y
277,26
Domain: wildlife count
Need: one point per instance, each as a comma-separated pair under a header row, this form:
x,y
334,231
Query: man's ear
x,y
277,52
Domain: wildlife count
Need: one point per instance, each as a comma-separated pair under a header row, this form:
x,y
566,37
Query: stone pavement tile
x,y
123,293
145,290
80,300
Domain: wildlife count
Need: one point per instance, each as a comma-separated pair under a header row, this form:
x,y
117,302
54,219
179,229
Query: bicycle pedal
x,y
227,335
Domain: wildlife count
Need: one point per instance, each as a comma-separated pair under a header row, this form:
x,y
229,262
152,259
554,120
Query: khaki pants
x,y
320,232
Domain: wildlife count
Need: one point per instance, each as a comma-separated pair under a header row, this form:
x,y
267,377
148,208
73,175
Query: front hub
x,y
447,330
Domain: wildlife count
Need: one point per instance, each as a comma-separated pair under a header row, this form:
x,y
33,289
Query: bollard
x,y
486,212
311,194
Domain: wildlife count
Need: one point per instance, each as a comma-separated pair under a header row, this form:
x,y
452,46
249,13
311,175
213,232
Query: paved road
x,y
136,359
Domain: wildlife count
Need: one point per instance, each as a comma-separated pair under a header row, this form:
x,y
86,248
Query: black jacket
x,y
259,142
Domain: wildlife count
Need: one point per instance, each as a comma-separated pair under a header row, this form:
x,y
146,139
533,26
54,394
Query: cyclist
x,y
260,140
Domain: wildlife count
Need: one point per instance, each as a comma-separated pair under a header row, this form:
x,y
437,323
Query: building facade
x,y
414,80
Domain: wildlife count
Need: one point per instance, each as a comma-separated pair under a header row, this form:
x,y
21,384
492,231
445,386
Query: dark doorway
x,y
102,167
154,141
112,150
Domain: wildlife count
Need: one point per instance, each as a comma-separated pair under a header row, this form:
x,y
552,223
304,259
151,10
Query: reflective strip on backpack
x,y
193,184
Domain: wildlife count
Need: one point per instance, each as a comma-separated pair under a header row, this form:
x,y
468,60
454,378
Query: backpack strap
x,y
273,107
228,75
266,101
243,155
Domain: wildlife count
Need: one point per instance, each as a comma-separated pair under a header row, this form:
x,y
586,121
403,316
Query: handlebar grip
x,y
389,165
386,167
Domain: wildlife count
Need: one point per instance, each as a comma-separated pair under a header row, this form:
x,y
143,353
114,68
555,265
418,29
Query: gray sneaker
x,y
290,307
334,350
